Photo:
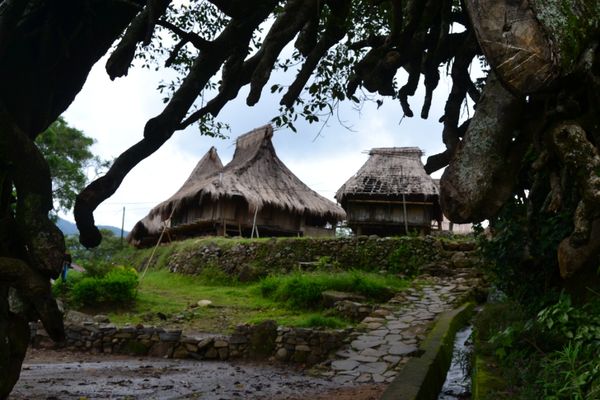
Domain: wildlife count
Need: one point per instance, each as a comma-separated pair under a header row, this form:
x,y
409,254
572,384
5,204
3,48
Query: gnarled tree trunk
x,y
46,52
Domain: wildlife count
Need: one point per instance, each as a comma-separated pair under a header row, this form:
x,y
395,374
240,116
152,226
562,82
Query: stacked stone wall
x,y
264,340
249,260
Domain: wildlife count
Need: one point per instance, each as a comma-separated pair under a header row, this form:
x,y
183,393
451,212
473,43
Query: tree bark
x,y
46,52
530,43
478,180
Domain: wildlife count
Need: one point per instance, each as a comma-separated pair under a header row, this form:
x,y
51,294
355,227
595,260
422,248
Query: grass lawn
x,y
233,303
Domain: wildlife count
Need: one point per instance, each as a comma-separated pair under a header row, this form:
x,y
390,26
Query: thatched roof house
x,y
390,194
254,193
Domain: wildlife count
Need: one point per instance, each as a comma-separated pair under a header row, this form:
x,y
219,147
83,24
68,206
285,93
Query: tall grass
x,y
303,290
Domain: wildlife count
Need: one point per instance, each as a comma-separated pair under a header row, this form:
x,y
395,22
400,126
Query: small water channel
x,y
458,379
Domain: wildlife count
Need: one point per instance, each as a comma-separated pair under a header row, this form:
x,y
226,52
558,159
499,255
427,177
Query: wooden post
x,y
122,226
405,217
254,224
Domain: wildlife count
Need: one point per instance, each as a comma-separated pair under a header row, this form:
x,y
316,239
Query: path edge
x,y
422,377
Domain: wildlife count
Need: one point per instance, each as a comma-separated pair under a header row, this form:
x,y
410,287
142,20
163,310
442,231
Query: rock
x,y
170,336
373,368
302,347
101,319
204,343
204,303
361,358
461,260
223,353
161,349
401,349
344,365
330,297
211,353
77,318
282,354
262,339
361,344
458,246
238,339
219,343
180,352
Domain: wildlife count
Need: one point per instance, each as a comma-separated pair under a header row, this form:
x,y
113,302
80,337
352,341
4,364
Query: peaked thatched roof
x,y
389,172
153,222
256,174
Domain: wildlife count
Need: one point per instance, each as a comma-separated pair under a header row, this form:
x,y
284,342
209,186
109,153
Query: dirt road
x,y
60,375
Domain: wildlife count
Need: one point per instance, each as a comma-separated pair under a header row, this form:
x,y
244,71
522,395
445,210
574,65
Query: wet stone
x,y
361,344
341,379
380,332
393,360
373,368
401,349
344,365
361,358
372,353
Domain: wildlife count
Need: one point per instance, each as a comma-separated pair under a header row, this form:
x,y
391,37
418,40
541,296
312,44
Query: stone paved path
x,y
386,339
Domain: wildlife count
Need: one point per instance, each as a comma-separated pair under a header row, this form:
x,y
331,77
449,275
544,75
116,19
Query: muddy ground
x,y
61,375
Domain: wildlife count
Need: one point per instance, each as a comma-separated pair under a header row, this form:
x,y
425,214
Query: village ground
x,y
58,375
387,339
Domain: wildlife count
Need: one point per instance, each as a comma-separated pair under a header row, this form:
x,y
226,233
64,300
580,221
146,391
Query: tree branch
x,y
334,32
31,177
10,12
191,37
160,128
140,30
294,16
36,289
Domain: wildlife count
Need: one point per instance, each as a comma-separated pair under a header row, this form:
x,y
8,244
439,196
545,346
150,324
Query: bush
x,y
118,286
303,290
551,355
404,260
320,321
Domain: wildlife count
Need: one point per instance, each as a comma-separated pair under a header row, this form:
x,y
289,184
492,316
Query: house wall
x,y
389,213
271,221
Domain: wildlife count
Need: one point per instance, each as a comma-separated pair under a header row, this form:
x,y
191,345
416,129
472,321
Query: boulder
x,y
330,297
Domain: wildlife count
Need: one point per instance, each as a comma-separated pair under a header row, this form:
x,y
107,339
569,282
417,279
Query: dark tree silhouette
x,y
534,133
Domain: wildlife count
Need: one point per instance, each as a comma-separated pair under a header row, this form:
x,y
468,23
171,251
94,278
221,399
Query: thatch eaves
x,y
390,172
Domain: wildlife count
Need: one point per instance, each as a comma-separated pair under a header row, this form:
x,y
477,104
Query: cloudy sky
x,y
114,113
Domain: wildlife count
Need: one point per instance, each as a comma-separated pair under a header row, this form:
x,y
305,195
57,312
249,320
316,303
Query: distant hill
x,y
69,228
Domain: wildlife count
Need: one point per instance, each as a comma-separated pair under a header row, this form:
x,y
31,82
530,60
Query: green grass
x,y
303,290
235,303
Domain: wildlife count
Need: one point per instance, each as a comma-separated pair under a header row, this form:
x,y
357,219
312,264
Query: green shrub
x,y
98,268
320,321
551,355
303,290
212,275
118,286
404,260
61,289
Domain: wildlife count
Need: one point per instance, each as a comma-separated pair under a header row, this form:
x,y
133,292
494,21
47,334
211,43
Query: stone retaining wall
x,y
264,340
250,259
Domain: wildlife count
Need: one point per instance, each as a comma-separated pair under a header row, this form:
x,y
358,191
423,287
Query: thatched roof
x,y
390,172
153,222
256,174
